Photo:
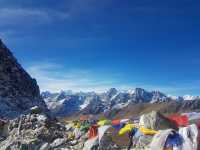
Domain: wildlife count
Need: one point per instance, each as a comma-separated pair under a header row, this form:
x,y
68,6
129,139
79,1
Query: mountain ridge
x,y
113,99
18,90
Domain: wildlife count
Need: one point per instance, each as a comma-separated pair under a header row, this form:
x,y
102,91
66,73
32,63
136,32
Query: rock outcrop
x,y
32,131
18,91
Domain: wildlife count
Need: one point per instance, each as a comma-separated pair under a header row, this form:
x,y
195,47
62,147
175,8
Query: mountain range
x,y
66,103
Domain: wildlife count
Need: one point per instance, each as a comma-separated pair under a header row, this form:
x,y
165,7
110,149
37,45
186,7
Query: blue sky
x,y
97,44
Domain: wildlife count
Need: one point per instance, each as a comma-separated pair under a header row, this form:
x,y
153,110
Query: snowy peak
x,y
189,97
46,94
157,96
131,91
142,95
60,96
139,91
176,98
111,92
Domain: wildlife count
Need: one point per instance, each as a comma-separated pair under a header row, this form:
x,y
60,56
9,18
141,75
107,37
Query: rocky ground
x,y
38,131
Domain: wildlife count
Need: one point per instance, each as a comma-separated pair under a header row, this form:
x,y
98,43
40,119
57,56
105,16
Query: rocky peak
x,y
111,92
15,81
18,91
61,96
158,95
141,94
139,91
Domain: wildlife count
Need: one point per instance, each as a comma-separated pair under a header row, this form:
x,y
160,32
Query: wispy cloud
x,y
20,16
54,77
22,13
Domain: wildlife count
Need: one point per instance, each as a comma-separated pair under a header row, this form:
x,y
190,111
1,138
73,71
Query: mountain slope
x,y
112,101
65,103
18,91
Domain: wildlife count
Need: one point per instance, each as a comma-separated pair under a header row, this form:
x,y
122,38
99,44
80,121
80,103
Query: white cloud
x,y
20,16
53,77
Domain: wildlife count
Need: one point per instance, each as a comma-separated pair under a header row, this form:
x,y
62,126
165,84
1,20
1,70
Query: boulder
x,y
58,142
156,121
35,110
45,146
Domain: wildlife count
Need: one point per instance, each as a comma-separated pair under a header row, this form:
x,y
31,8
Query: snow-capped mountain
x,y
190,97
91,102
65,103
176,98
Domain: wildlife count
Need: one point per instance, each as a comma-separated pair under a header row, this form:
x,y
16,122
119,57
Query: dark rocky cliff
x,y
18,91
